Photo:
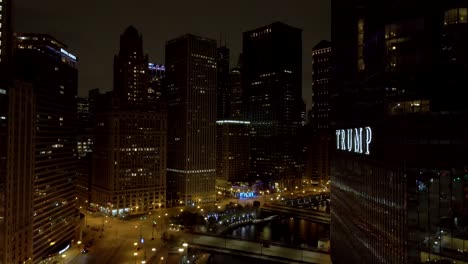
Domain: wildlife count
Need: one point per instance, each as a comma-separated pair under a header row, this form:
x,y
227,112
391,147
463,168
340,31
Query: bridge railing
x,y
194,234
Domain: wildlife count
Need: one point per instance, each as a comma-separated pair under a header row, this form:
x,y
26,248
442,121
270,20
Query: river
x,y
289,231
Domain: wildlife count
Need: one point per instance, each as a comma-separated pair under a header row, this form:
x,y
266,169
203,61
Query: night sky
x,y
91,28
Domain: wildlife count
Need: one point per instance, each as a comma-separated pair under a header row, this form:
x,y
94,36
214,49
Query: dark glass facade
x,y
232,150
398,72
224,92
191,101
51,69
272,93
320,141
17,178
236,103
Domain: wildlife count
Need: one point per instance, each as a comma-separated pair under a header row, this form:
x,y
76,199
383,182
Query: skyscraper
x,y
85,141
129,157
236,103
156,74
131,78
129,166
191,94
321,74
51,69
17,173
17,113
272,91
84,127
399,170
6,38
224,91
320,120
232,150
237,111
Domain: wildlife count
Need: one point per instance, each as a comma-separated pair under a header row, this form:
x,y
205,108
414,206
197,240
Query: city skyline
x,y
213,21
212,132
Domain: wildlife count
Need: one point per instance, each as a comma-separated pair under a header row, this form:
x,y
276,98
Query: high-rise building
x,y
85,139
191,94
272,91
237,111
84,127
236,105
319,163
232,150
129,157
6,38
129,162
399,171
156,74
321,74
17,137
45,63
16,222
223,93
131,78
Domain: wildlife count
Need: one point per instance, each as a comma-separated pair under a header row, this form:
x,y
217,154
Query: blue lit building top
x,y
45,43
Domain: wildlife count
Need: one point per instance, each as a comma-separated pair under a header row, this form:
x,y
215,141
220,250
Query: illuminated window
x,y
455,16
361,63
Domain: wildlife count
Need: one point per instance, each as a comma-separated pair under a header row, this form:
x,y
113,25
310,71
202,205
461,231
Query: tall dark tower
x,y
272,91
16,152
223,93
6,37
129,155
191,94
131,77
399,169
318,160
45,62
156,74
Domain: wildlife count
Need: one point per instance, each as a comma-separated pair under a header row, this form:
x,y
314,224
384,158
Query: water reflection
x,y
297,232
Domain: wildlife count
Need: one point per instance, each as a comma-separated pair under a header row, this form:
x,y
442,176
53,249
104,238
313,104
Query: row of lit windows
x,y
321,51
455,16
264,32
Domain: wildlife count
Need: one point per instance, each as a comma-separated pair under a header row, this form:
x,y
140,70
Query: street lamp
x,y
184,251
135,254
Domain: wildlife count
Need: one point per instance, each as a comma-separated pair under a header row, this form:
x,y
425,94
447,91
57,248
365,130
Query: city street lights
x,y
152,226
135,254
184,252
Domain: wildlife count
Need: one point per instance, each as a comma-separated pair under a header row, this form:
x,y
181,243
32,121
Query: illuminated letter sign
x,y
353,139
343,145
358,140
68,54
368,139
349,141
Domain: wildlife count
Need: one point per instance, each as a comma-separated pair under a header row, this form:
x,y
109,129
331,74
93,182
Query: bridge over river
x,y
280,254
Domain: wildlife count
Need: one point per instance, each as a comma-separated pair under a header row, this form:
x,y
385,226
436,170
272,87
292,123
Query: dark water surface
x,y
289,231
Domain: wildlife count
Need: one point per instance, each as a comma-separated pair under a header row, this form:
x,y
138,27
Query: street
x,y
118,240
